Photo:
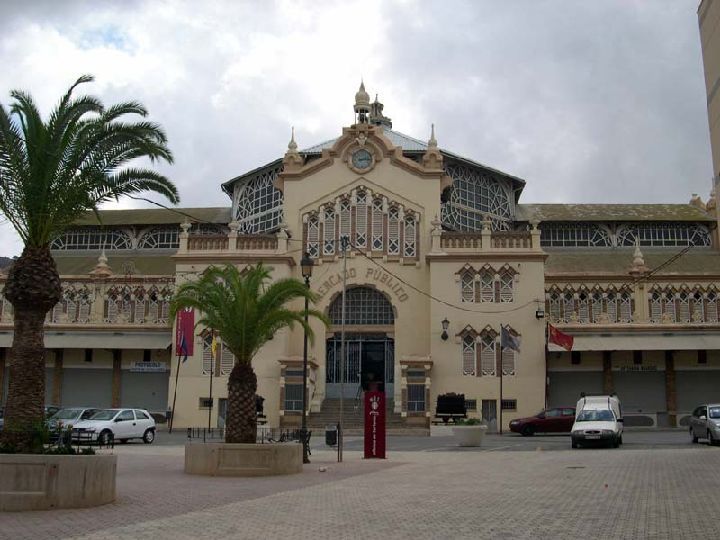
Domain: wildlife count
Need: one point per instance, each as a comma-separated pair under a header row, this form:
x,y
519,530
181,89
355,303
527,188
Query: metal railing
x,y
265,435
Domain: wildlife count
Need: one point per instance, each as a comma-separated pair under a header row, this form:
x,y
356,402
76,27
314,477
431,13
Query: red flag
x,y
560,338
184,332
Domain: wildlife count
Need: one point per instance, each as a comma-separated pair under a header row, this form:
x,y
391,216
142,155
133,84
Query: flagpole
x,y
501,380
172,411
547,354
212,373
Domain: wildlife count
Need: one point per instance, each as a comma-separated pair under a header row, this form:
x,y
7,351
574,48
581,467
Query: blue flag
x,y
509,341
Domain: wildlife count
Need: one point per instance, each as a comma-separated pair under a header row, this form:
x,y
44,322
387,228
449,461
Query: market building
x,y
441,254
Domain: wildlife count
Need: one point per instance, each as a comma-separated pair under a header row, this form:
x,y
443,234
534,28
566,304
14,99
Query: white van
x,y
598,419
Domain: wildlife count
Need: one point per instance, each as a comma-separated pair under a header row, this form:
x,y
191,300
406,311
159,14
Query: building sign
x,y
149,367
184,331
371,274
637,367
374,425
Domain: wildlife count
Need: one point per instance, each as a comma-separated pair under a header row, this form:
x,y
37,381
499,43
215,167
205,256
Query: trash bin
x,y
331,435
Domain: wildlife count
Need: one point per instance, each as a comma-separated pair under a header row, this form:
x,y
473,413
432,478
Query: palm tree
x,y
51,173
246,311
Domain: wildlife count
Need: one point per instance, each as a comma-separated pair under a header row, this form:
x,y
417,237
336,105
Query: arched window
x,y
361,219
258,205
313,236
569,314
507,279
488,353
554,305
474,196
92,238
328,231
345,221
583,303
467,285
119,305
410,236
487,284
469,355
663,235
363,305
393,231
509,356
223,354
711,307
160,238
574,235
377,224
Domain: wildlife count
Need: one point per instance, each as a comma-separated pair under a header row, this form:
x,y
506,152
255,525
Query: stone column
x,y
116,377
608,385
670,388
58,377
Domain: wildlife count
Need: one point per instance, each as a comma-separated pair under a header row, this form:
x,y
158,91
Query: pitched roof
x,y
157,216
619,260
611,212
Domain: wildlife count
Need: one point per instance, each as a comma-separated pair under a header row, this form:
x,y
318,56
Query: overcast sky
x,y
600,101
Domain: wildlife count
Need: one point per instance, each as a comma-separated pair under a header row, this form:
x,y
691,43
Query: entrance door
x,y
489,413
369,361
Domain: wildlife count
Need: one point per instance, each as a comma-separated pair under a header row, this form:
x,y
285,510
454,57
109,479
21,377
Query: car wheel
x,y
527,431
694,438
616,442
574,443
711,441
105,437
149,436
620,440
123,441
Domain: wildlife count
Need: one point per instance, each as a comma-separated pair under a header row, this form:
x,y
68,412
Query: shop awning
x,y
99,340
643,342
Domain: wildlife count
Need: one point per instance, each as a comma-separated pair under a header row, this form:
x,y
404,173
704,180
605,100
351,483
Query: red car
x,y
558,420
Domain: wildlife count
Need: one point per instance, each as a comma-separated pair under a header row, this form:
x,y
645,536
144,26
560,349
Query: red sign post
x,y
375,425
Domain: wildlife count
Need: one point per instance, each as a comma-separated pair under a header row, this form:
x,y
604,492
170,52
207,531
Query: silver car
x,y
705,423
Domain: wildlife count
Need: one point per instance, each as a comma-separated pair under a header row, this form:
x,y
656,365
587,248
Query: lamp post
x,y
306,265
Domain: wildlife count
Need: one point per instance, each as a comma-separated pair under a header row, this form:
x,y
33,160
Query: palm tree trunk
x,y
241,423
33,288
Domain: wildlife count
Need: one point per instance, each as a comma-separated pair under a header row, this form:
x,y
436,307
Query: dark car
x,y
558,420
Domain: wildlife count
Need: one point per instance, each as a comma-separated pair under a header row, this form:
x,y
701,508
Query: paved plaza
x,y
657,486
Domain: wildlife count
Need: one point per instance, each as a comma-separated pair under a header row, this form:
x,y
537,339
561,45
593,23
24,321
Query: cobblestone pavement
x,y
593,493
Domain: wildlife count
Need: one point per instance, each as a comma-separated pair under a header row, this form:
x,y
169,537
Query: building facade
x,y
709,23
440,254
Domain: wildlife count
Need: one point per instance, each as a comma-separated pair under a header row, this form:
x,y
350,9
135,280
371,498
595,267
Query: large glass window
x,y
474,197
363,305
92,238
258,204
663,234
574,235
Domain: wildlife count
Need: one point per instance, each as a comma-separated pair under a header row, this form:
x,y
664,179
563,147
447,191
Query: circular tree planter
x,y
44,482
224,459
469,435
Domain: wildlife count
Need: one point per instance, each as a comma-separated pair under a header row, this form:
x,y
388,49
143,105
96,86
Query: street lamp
x,y
306,266
445,323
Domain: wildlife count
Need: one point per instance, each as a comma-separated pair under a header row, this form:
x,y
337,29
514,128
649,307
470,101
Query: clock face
x,y
362,159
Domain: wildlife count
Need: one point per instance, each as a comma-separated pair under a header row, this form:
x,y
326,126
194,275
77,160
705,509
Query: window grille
x,y
328,232
377,225
574,235
487,285
611,303
345,218
698,311
293,397
416,398
596,306
488,355
467,286
313,237
568,306
361,211
471,404
670,311
711,308
684,307
410,237
506,286
469,355
583,308
656,302
663,235
207,359
363,305
508,361
160,238
554,306
393,231
227,360
258,205
626,310
508,404
84,309
92,238
205,403
475,195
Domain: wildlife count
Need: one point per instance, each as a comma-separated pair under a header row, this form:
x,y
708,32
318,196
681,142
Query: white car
x,y
118,424
598,420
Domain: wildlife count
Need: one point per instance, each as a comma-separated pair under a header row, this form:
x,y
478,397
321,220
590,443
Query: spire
x,y
292,160
432,158
377,117
102,269
638,267
362,104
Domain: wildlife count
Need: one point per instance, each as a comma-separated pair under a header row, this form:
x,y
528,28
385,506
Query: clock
x,y
362,159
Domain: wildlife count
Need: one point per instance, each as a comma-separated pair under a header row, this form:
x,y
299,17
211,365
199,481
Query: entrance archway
x,y
369,351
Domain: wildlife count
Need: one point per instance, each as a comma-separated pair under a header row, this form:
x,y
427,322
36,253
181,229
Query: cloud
x,y
588,101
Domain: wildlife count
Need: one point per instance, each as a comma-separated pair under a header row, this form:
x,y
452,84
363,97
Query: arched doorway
x,y
370,352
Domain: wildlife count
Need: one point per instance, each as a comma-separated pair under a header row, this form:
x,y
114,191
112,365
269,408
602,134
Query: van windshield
x,y
602,415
